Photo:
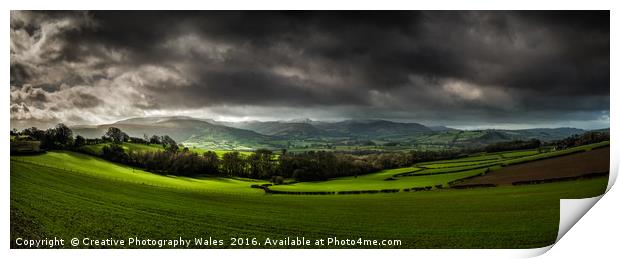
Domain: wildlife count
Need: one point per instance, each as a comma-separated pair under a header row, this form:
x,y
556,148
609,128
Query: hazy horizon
x,y
459,127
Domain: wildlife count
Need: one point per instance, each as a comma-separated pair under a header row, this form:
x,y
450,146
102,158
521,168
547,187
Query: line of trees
x,y
58,137
513,145
166,162
583,139
265,164
61,137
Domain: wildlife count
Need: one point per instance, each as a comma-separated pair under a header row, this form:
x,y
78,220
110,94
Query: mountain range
x,y
209,133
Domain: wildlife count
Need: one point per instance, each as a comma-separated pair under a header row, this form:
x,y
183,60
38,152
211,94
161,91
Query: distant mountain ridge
x,y
372,128
355,128
210,133
278,128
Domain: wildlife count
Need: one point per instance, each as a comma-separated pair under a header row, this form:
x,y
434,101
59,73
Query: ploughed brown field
x,y
584,164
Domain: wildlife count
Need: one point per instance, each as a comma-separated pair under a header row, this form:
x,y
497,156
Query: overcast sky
x,y
463,69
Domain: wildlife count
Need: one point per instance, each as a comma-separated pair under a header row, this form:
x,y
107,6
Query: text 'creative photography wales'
x,y
304,129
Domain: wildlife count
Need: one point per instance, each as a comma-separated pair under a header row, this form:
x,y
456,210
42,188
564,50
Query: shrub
x,y
276,179
114,152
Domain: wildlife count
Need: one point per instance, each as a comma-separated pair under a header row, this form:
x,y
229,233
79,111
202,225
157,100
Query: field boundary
x,y
467,178
440,173
561,179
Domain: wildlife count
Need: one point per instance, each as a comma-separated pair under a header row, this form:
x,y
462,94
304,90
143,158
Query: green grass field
x,y
67,194
67,204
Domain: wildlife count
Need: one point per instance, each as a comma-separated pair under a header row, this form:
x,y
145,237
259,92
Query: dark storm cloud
x,y
500,66
84,100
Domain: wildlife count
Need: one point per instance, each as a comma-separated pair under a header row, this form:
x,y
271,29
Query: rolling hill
x,y
306,128
198,133
546,134
372,128
280,128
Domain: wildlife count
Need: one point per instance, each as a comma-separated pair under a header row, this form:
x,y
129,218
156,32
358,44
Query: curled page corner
x,y
571,210
613,173
534,252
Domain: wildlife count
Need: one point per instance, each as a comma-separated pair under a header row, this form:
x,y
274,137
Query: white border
x,y
595,235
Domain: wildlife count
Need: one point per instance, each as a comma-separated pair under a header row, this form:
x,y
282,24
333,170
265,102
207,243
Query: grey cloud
x,y
85,100
484,66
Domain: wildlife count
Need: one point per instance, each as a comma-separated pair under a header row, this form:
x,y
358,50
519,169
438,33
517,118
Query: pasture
x,y
113,202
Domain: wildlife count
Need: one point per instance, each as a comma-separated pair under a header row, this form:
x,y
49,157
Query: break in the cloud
x,y
441,67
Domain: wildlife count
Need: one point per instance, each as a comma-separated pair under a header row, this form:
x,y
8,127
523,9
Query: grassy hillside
x,y
371,128
278,128
67,195
77,163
